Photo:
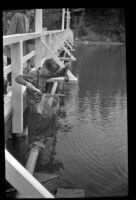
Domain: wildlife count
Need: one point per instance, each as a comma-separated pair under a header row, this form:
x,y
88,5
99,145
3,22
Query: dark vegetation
x,y
103,24
89,24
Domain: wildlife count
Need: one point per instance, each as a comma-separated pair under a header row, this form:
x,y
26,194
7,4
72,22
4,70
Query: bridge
x,y
47,45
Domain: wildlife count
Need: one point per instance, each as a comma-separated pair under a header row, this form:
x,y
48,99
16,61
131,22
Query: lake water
x,y
90,147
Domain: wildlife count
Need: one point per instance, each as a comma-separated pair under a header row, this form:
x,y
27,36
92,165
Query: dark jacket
x,y
18,25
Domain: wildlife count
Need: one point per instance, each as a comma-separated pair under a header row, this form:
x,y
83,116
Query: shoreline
x,y
89,42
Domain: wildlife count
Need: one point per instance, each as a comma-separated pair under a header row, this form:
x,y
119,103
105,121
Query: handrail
x,y
28,56
15,38
52,32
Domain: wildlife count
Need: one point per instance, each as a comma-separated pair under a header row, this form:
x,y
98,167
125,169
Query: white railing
x,y
26,185
16,175
17,61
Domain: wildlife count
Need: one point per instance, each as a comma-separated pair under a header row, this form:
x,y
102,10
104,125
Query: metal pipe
x,y
36,147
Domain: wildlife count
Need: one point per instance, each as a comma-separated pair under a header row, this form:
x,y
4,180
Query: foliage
x,y
107,22
52,18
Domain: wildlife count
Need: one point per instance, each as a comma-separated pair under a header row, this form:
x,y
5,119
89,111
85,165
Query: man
x,y
19,24
35,82
36,79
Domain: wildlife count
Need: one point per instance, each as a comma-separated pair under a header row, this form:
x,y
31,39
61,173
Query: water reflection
x,y
94,153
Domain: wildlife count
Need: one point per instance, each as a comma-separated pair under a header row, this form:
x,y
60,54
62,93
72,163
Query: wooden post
x,y
50,40
38,20
67,19
38,41
17,89
66,50
54,88
63,18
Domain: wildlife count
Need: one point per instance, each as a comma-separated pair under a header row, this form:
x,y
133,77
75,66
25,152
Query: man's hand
x,y
31,87
66,78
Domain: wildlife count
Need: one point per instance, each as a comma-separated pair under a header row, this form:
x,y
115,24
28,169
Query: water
x,y
90,148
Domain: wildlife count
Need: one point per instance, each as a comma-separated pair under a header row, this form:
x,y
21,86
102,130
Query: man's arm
x,y
27,81
60,72
21,80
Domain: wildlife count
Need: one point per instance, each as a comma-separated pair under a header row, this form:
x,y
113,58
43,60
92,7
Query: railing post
x,y
50,40
38,20
67,19
38,41
63,18
17,89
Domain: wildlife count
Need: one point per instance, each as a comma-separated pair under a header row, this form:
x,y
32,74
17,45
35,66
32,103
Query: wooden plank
x,y
67,25
54,56
28,56
7,69
71,44
68,44
64,58
17,89
15,38
43,60
22,180
38,20
53,32
50,41
71,76
70,193
63,18
70,41
54,87
67,51
53,90
38,41
38,53
69,19
58,79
